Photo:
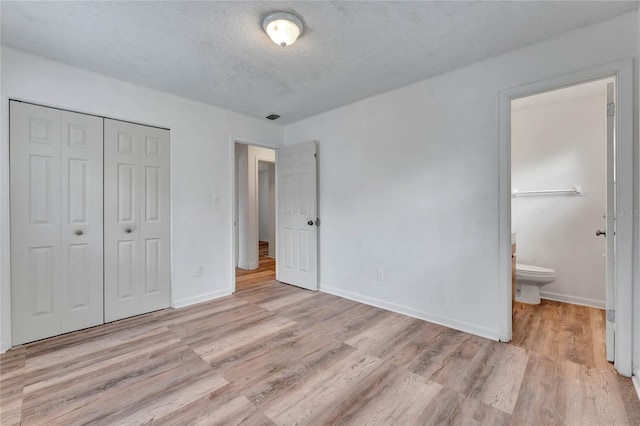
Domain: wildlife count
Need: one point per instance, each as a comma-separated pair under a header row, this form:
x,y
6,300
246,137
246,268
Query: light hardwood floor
x,y
277,354
265,273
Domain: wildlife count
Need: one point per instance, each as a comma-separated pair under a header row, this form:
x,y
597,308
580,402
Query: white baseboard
x,y
248,266
592,303
634,380
4,346
202,298
273,255
415,313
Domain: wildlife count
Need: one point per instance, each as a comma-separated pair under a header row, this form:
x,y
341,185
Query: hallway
x,y
265,273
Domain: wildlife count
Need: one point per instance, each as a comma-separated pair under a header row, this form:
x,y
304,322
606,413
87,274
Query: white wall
x,y
201,160
272,210
242,202
409,181
263,205
556,146
636,306
267,205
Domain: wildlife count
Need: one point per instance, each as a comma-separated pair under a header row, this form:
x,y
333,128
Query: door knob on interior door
x,y
599,232
79,232
310,223
128,230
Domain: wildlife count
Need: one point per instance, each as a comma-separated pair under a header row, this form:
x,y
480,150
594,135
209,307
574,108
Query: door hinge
x,y
611,109
611,315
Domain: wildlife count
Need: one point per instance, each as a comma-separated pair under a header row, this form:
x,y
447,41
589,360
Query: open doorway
x,y
267,209
562,183
292,250
255,200
618,215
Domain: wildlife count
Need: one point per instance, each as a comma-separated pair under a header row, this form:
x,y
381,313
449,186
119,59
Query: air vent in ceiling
x,y
273,116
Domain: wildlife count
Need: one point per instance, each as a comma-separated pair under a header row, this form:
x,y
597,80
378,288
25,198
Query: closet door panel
x,y
121,212
154,218
137,268
35,222
81,221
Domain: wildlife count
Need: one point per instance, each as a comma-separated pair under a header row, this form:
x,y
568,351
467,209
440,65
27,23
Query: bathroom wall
x,y
559,140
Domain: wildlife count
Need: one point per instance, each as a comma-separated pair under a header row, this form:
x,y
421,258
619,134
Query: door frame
x,y
622,71
232,207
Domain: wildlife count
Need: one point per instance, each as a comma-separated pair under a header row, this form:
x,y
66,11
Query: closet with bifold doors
x,y
90,220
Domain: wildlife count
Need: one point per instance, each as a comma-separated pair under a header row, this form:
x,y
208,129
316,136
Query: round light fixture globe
x,y
283,28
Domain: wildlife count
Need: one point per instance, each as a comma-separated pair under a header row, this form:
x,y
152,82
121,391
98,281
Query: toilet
x,y
529,279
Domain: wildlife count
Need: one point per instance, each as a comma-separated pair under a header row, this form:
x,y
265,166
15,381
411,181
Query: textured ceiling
x,y
217,53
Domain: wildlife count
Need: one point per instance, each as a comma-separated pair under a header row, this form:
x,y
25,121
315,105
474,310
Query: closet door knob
x,y
599,232
128,230
79,232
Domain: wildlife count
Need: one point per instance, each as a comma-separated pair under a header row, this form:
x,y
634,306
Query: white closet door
x,y
137,272
56,191
81,237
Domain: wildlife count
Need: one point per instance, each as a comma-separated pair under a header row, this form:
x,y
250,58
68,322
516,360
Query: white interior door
x,y
81,221
297,231
56,221
611,223
137,271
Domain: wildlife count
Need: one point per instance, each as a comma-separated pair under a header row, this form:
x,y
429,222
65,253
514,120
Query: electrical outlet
x,y
380,274
198,271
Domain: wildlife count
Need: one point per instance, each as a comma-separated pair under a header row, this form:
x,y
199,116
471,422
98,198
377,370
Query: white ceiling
x,y
217,53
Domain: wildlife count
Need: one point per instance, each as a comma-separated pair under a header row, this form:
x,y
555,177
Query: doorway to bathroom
x,y
558,215
567,148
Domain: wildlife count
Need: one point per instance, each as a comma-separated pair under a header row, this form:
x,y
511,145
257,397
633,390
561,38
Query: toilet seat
x,y
531,270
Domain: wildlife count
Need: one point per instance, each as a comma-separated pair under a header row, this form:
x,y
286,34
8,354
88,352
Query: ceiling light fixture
x,y
283,28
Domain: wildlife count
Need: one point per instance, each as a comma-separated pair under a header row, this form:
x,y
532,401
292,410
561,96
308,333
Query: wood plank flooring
x,y
562,331
263,248
277,354
266,272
